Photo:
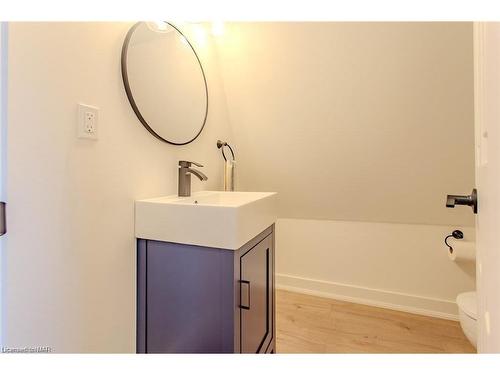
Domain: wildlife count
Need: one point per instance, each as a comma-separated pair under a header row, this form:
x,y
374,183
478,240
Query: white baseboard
x,y
367,296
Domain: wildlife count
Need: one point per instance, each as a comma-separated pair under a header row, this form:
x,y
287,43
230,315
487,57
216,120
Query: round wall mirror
x,y
165,82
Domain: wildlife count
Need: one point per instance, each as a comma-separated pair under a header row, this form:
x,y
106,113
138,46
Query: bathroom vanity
x,y
205,273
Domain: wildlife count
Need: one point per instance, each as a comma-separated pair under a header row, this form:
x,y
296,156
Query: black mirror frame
x,y
131,97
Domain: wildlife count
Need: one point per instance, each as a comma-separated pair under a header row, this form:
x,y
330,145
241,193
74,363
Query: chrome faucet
x,y
185,172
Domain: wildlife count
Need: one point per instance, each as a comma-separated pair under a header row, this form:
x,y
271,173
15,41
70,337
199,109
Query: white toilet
x,y
467,308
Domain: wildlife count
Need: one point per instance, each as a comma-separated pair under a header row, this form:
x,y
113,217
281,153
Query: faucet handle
x,y
187,164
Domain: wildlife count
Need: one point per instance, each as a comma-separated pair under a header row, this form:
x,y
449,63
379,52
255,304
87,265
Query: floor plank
x,y
310,324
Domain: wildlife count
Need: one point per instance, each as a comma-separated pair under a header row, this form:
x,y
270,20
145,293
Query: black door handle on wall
x,y
247,306
463,200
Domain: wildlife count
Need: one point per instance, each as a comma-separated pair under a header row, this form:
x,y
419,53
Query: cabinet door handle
x,y
241,306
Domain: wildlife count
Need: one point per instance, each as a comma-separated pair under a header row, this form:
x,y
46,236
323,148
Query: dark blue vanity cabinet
x,y
193,299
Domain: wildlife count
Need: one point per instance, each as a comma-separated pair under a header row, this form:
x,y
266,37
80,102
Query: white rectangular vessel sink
x,y
220,219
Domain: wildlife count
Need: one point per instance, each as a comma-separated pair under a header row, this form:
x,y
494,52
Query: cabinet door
x,y
189,299
256,297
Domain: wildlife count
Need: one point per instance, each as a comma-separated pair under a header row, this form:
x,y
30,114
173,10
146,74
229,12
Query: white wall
x,y
70,256
399,266
363,121
359,123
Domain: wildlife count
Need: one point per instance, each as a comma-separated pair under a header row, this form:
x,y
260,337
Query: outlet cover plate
x,y
88,119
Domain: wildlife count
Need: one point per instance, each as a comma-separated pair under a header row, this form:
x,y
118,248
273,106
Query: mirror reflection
x,y
165,82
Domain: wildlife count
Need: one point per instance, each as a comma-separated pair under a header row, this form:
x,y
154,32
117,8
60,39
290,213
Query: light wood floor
x,y
308,324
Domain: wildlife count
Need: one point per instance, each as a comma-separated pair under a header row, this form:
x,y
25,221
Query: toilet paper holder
x,y
456,234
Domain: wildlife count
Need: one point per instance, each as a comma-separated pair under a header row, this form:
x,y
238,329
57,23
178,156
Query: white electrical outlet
x,y
87,121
